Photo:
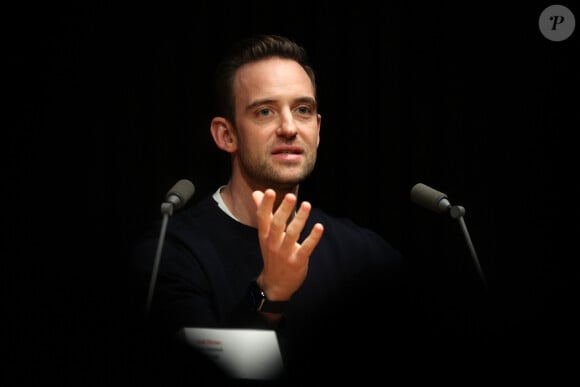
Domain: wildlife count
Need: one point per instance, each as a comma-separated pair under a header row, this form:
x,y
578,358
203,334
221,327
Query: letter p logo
x,y
557,20
556,23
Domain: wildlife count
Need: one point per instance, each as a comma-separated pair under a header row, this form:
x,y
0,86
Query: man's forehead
x,y
273,79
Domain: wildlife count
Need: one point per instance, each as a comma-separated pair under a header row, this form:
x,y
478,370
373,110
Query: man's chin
x,y
286,182
283,178
284,185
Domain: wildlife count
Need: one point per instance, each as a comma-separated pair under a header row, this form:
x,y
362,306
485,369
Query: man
x,y
253,256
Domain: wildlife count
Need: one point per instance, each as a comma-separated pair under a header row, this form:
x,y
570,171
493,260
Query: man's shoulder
x,y
202,206
198,215
338,222
344,231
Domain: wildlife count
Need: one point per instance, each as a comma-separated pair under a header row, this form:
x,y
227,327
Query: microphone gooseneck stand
x,y
176,198
167,211
457,212
437,201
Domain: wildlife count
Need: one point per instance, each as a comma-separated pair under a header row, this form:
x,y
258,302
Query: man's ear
x,y
223,134
318,122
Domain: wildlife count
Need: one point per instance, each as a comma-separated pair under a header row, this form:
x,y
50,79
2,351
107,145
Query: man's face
x,y
277,123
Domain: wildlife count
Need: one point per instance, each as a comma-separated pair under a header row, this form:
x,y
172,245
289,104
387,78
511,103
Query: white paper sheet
x,y
242,353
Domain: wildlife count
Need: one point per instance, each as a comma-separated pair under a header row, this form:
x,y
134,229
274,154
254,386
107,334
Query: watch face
x,y
257,296
260,303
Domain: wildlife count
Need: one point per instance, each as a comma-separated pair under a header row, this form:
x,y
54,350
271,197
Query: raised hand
x,y
285,260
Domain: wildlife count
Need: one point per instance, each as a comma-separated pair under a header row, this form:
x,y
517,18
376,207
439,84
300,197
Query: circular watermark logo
x,y
557,23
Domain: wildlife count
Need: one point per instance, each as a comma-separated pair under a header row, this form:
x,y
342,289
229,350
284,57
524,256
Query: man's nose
x,y
287,127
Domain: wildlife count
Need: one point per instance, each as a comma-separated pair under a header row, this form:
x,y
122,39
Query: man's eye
x,y
264,112
303,110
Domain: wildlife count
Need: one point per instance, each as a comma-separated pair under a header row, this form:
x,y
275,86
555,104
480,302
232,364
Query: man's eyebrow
x,y
308,100
260,102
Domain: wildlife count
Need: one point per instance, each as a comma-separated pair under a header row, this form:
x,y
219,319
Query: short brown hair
x,y
249,50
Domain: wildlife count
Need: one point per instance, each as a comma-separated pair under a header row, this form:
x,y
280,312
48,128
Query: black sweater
x,y
352,299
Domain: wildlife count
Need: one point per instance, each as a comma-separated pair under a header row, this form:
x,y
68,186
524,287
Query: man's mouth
x,y
288,153
288,150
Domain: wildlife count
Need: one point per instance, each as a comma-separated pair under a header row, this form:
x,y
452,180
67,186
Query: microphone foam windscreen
x,y
427,197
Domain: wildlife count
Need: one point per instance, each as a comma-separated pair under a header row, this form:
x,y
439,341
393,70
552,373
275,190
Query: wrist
x,y
259,301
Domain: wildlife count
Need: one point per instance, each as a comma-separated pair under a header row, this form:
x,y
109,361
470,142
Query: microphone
x,y
429,198
175,198
437,201
179,194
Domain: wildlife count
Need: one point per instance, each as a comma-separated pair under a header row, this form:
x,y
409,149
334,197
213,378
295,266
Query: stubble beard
x,y
277,175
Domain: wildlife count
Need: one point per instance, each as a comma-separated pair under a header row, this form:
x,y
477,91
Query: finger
x,y
264,212
310,243
257,196
296,225
280,219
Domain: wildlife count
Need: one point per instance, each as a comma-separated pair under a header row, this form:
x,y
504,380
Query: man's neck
x,y
237,196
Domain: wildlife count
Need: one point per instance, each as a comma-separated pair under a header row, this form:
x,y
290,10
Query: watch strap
x,y
261,303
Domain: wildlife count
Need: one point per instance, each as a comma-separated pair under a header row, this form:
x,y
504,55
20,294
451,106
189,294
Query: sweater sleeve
x,y
195,286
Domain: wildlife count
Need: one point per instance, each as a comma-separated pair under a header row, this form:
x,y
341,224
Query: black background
x,y
109,105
